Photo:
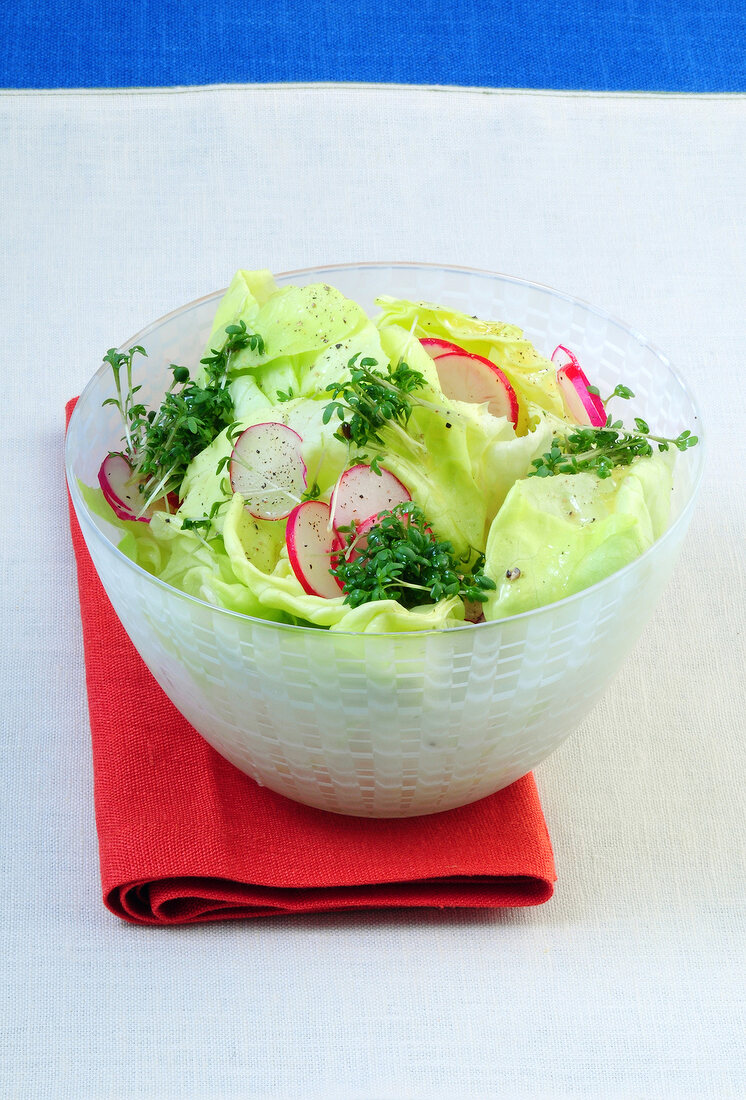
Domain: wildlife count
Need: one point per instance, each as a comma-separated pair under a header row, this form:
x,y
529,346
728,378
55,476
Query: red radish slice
x,y
464,376
563,357
361,493
268,470
499,392
120,511
360,539
582,405
338,548
312,546
123,496
435,347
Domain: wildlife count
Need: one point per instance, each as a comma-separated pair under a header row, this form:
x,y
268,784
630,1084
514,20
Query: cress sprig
x,y
161,444
133,414
370,400
404,561
600,450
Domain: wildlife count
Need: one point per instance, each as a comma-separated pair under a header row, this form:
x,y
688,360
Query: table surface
x,y
118,207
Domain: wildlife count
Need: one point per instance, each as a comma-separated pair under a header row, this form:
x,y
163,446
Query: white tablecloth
x,y
117,207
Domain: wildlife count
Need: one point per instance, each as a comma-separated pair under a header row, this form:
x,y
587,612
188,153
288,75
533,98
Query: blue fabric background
x,y
667,45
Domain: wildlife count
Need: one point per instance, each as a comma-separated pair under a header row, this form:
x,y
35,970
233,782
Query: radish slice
x,y
462,381
312,546
464,376
583,406
563,357
124,497
338,549
436,347
360,537
268,470
361,493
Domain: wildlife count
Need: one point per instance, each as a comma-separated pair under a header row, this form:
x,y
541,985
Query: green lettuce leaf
x,y
304,375
298,326
201,567
331,365
567,532
250,403
532,376
243,299
247,292
299,322
499,457
281,591
462,460
198,566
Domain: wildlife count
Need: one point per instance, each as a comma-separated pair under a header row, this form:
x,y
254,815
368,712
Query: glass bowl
x,y
392,725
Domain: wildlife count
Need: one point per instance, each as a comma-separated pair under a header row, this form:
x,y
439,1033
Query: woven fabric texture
x,y
120,207
653,45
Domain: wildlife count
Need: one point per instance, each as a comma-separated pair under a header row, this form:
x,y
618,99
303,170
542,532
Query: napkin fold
x,y
184,837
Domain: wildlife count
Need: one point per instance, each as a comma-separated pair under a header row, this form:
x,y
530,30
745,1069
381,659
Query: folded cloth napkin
x,y
185,837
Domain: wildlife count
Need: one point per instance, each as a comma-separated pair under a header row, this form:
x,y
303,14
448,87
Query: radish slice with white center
x,y
582,405
268,470
361,493
435,347
475,383
563,357
312,545
464,376
121,493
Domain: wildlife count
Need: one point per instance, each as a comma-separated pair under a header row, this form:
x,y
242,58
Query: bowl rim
x,y
681,521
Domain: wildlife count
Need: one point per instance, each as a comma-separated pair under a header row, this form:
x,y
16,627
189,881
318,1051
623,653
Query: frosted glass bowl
x,y
405,724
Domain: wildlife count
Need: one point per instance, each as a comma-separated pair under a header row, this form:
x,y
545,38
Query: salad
x,y
414,471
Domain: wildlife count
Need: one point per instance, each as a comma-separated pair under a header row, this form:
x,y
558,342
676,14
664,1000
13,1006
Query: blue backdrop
x,y
667,45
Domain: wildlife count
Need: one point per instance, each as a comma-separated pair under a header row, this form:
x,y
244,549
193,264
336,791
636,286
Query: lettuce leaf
x,y
532,376
198,566
183,559
499,457
243,299
463,460
247,292
296,324
331,365
299,322
281,591
567,532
